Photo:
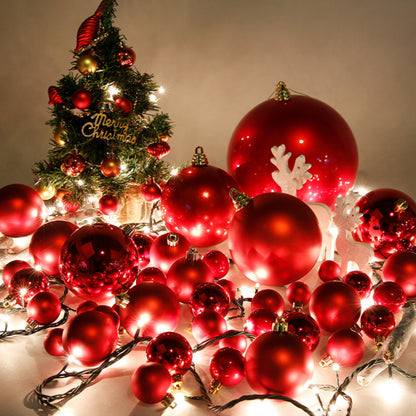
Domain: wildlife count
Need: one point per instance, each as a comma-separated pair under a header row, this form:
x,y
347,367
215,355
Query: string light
x,y
152,98
161,90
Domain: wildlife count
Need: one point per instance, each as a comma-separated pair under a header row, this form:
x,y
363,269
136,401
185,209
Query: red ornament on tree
x,y
238,342
54,95
98,261
151,191
377,322
73,164
151,274
46,245
21,210
329,270
305,327
87,32
227,367
389,294
274,239
345,347
196,202
260,321
218,262
11,268
298,294
110,166
53,342
126,57
108,204
268,299
209,296
207,325
360,281
124,105
158,149
143,243
82,99
26,283
306,126
43,308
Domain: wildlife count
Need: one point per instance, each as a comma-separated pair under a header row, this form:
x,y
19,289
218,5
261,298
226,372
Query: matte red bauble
x,y
73,165
305,327
124,105
53,342
172,350
90,337
196,202
346,347
110,166
25,283
151,274
152,308
298,293
44,308
126,57
227,366
360,281
306,126
279,363
143,243
209,296
167,248
335,306
229,287
98,261
158,149
47,242
150,383
11,268
388,222
401,269
21,210
218,262
207,325
260,321
390,294
238,342
82,99
110,312
151,191
108,204
187,273
329,270
377,321
274,239
268,299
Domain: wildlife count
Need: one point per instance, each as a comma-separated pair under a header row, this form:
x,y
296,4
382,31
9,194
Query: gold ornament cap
x,y
172,239
122,299
280,325
240,199
199,158
282,93
169,401
214,387
192,254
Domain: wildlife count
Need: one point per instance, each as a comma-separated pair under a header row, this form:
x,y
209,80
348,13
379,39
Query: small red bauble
x,y
47,242
172,350
108,204
124,105
346,347
167,248
98,261
150,382
390,294
11,268
268,299
260,321
152,308
388,222
90,337
227,366
151,191
186,273
278,363
298,293
126,57
110,166
110,312
196,202
306,126
305,327
82,99
274,239
73,165
218,263
238,342
207,325
209,296
335,306
53,342
158,149
401,269
143,243
68,203
25,283
329,270
229,287
87,305
44,308
151,274
360,281
377,321
21,210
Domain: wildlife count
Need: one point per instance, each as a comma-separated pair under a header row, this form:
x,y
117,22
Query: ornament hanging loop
x,y
240,199
199,158
282,93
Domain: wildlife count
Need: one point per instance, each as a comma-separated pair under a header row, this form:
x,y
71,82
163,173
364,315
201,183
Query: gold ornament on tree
x,y
46,192
60,136
87,64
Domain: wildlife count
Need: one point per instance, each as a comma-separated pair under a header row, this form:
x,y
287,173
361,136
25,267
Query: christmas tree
x,y
107,132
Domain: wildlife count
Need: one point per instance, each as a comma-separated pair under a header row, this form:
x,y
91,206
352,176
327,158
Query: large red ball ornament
x,y
26,283
90,337
44,308
329,270
151,274
360,281
108,204
11,268
377,321
388,222
209,296
218,262
278,363
98,261
143,243
151,382
172,350
238,342
260,321
229,287
82,98
227,366
274,239
401,269
47,242
298,294
53,342
390,294
346,347
152,308
305,327
21,210
207,325
196,203
268,299
335,306
306,126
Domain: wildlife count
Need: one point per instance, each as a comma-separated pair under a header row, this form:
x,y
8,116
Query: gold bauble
x,y
46,191
60,136
87,64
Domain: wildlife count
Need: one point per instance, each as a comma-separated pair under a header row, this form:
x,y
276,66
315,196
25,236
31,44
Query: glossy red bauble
x,y
278,363
124,105
21,210
335,306
108,204
207,325
229,287
82,99
11,268
305,327
47,242
151,274
110,312
172,350
151,191
401,269
390,294
377,321
143,243
227,366
275,239
87,305
25,283
151,382
209,296
260,321
346,347
126,57
53,342
218,262
388,222
98,261
152,308
73,165
158,149
329,270
238,342
268,299
44,308
90,337
298,293
110,166
306,126
360,281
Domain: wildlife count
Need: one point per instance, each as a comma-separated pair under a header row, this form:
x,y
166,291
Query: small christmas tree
x,y
108,134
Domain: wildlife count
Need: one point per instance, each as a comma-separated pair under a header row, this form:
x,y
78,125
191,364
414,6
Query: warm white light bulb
x,y
152,98
161,90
